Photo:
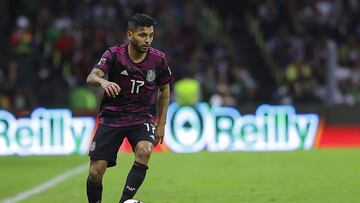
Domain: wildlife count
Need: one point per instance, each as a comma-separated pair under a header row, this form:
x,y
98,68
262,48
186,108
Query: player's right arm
x,y
96,78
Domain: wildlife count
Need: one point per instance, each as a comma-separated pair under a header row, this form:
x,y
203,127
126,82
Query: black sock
x,y
94,191
135,178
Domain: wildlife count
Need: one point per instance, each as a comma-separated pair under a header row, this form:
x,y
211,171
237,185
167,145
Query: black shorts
x,y
107,140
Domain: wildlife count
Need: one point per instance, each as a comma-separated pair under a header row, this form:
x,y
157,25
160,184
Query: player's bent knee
x,y
143,152
96,172
95,176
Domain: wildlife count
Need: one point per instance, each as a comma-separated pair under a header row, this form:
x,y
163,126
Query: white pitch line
x,y
47,185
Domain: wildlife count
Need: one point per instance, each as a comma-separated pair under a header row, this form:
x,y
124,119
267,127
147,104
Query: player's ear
x,y
129,35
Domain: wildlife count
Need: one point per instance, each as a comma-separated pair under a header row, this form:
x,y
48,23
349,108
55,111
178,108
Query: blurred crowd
x,y
49,47
297,33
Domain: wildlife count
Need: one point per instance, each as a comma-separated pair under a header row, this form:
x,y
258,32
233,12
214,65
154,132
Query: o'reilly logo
x,y
45,132
216,128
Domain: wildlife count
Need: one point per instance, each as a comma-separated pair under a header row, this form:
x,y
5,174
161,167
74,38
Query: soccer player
x,y
137,84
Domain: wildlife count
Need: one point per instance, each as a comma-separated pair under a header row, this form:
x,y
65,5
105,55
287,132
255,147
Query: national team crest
x,y
92,146
151,75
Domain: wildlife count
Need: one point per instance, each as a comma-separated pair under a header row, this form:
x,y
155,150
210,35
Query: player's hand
x,y
160,129
112,89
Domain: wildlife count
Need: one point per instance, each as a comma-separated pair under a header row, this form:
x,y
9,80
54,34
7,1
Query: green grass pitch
x,y
328,176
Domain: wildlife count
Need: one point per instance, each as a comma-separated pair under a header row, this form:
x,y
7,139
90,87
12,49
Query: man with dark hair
x,y
137,83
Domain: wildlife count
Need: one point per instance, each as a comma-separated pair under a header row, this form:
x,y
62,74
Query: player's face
x,y
141,38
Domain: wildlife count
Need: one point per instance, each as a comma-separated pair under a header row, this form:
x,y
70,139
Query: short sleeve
x,y
165,73
103,63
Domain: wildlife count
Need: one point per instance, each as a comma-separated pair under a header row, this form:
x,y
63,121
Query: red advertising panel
x,y
339,136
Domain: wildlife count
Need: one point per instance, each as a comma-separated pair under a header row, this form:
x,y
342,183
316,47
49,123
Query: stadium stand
x,y
49,47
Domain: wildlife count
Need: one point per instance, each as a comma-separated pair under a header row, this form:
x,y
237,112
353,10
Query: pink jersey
x,y
139,83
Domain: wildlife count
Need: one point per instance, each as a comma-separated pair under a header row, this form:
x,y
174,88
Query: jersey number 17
x,y
135,87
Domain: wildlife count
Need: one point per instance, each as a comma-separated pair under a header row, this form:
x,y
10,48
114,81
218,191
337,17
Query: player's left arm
x,y
163,103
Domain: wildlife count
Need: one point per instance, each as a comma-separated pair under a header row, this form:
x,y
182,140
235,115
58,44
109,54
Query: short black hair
x,y
140,20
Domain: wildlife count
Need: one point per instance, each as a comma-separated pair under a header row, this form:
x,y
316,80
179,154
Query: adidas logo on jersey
x,y
124,72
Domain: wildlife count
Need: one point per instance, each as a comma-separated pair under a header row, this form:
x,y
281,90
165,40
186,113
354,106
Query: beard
x,y
138,48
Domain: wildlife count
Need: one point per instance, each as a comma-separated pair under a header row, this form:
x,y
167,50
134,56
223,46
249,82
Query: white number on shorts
x,y
150,127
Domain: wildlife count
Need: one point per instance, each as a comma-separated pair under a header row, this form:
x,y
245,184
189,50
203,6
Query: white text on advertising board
x,y
188,129
45,132
271,128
